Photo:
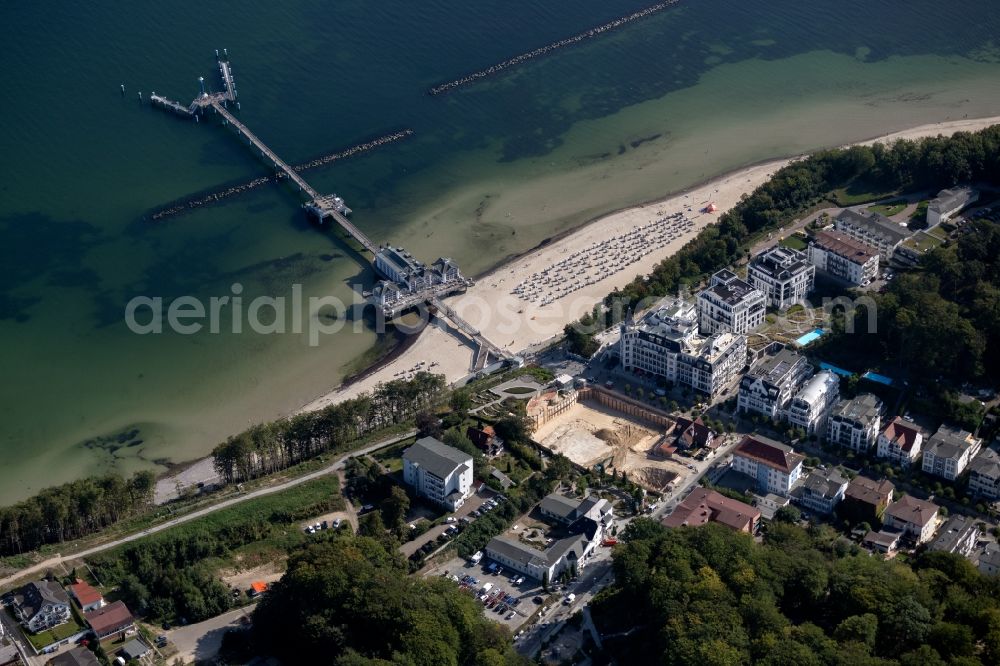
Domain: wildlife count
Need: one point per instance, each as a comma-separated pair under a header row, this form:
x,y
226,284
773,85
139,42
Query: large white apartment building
x,y
783,274
775,466
439,472
949,451
843,257
948,203
984,475
900,442
854,424
770,384
809,407
665,343
730,304
872,229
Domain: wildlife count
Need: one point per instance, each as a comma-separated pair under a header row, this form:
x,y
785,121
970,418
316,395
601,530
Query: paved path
x,y
200,642
332,467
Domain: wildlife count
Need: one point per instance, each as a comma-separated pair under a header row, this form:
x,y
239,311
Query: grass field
x,y
281,510
889,208
858,192
53,635
922,242
795,242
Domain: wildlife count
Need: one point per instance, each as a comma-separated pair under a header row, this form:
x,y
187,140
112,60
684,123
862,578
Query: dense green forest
x,y
903,166
348,601
942,320
73,510
710,596
270,447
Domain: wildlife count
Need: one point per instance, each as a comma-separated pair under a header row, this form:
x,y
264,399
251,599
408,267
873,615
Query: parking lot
x,y
505,602
433,534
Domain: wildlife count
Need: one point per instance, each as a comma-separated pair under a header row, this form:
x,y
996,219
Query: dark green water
x,y
498,166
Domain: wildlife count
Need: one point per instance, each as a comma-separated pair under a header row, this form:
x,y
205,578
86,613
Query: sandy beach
x,y
576,280
512,304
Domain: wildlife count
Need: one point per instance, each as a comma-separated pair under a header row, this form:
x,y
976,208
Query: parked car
x,y
570,598
510,615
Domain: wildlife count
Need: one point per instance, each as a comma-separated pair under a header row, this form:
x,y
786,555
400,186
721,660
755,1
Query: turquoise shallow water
x,y
691,92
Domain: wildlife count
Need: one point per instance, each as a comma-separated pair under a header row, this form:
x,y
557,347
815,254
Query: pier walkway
x,y
327,205
486,348
324,206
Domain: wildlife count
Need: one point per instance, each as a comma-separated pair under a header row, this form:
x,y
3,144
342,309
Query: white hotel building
x,y
439,472
730,304
809,407
770,385
783,274
854,424
665,343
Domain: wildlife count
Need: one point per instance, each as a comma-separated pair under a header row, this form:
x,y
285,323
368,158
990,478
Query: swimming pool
x,y
811,336
834,369
875,377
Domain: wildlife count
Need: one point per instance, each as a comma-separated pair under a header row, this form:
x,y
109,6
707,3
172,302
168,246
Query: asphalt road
x,y
9,628
594,578
200,642
332,467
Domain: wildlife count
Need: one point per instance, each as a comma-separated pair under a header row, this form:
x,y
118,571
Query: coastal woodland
x,y
87,506
73,510
270,447
349,601
714,597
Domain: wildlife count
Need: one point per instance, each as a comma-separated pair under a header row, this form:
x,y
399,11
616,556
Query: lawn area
x,y
54,635
889,208
392,457
922,242
512,467
858,192
795,242
920,214
938,233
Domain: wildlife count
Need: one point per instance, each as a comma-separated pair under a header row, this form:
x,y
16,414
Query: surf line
x,y
549,48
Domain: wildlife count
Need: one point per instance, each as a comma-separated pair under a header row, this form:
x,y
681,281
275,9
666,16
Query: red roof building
x,y
110,620
85,595
773,454
707,506
900,442
695,434
774,465
486,440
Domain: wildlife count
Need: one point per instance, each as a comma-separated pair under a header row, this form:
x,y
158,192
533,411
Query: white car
x,y
570,598
510,615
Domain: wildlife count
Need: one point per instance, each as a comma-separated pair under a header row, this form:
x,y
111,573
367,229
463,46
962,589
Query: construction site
x,y
597,436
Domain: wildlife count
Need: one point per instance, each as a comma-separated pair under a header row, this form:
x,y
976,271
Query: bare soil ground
x,y
240,580
591,434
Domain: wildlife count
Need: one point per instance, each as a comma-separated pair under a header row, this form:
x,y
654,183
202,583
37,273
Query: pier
x,y
322,206
408,282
